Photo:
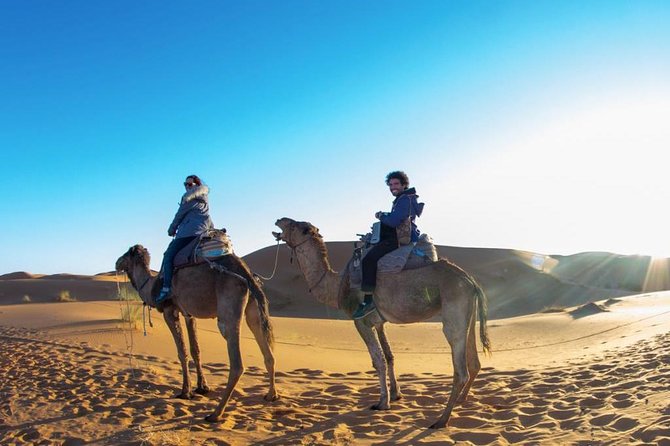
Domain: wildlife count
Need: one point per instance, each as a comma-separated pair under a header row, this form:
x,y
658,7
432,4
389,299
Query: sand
x,y
590,374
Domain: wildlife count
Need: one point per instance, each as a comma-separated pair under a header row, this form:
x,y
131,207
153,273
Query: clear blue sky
x,y
536,125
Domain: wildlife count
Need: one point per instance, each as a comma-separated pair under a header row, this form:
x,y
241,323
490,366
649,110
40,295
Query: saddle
x,y
412,256
210,247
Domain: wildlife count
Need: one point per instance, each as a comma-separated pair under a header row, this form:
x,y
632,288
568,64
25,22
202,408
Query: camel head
x,y
294,232
137,254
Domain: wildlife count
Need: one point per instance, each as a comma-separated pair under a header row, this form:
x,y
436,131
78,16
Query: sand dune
x,y
578,363
75,375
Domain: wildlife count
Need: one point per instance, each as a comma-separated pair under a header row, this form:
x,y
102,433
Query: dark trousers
x,y
369,263
168,258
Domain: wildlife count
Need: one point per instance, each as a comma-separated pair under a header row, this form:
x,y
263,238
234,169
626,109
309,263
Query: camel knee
x,y
222,328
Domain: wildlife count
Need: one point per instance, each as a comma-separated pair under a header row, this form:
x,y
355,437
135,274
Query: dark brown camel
x,y
202,292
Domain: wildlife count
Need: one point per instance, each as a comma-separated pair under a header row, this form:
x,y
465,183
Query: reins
x,y
146,308
274,270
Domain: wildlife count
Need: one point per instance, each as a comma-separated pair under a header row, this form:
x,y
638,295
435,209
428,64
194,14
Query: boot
x,y
365,308
163,295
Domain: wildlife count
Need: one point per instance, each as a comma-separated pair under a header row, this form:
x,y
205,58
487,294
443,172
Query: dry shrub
x,y
131,306
64,296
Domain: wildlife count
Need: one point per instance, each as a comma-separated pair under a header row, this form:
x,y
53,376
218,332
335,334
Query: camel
x,y
405,297
202,292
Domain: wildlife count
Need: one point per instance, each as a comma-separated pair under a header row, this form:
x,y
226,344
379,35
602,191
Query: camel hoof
x,y
274,396
437,425
379,407
397,397
202,390
184,396
211,418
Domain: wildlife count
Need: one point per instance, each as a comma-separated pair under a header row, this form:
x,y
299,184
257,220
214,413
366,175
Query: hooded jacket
x,y
192,217
405,205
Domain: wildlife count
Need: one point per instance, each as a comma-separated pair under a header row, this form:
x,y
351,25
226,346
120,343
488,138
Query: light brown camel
x,y
405,297
202,292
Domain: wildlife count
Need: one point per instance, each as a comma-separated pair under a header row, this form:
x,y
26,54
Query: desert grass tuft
x,y
131,306
65,296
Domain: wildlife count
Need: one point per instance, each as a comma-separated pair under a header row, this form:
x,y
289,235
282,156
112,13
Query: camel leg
x,y
229,310
254,323
202,387
455,321
372,343
390,362
474,366
171,316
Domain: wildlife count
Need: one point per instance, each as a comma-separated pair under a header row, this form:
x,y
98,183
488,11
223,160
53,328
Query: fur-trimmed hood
x,y
192,218
197,193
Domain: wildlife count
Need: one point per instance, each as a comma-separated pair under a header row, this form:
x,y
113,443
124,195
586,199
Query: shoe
x,y
365,308
163,295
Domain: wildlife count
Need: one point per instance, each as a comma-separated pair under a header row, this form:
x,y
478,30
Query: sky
x,y
531,125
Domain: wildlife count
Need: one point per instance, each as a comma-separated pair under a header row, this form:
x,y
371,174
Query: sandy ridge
x,y
73,394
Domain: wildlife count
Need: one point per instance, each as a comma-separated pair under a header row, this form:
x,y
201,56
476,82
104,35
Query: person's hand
x,y
171,233
378,214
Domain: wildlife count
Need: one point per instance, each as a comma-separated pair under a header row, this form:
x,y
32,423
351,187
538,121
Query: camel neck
x,y
141,279
322,281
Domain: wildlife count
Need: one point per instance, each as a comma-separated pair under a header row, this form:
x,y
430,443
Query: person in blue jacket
x,y
191,220
404,206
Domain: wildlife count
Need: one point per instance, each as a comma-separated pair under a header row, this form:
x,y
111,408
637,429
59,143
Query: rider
x,y
192,219
405,205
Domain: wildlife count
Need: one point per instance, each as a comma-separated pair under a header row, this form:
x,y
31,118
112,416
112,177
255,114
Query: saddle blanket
x,y
212,245
412,256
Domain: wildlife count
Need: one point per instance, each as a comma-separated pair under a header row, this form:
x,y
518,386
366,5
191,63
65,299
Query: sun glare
x,y
593,178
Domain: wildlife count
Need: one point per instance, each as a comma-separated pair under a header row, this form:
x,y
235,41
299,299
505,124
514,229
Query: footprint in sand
x,y
481,437
602,420
465,422
392,418
624,424
622,404
530,420
562,415
505,415
592,403
532,410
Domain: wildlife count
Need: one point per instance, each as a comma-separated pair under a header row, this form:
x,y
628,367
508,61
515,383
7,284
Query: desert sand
x,y
583,364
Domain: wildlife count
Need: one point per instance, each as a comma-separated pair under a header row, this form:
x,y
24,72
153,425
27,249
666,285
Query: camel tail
x,y
263,308
482,309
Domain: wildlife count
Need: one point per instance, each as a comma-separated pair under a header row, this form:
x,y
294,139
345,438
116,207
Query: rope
x,y
274,270
129,345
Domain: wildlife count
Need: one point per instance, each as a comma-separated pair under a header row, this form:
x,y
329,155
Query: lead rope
x,y
274,270
144,321
129,345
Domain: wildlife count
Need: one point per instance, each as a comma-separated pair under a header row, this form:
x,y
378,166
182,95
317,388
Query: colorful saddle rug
x,y
210,246
412,256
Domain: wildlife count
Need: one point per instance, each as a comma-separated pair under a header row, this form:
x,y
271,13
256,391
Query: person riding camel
x,y
405,206
191,220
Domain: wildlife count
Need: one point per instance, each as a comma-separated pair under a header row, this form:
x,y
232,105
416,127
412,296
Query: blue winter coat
x,y
192,217
405,205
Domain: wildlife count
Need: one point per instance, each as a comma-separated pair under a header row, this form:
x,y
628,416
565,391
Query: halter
x,y
145,282
293,252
